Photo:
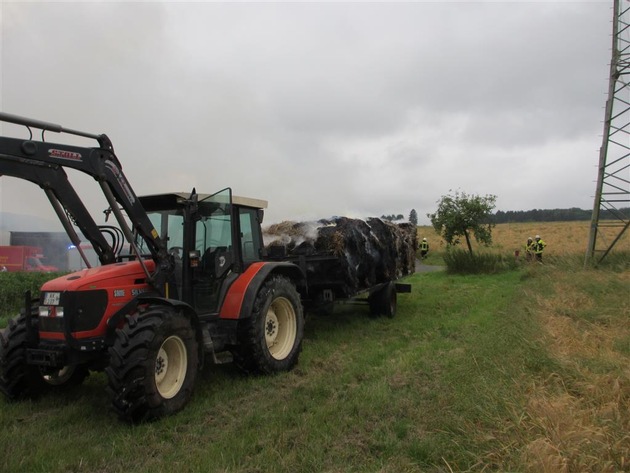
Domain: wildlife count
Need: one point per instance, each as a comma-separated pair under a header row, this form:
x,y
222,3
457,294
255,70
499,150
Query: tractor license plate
x,y
52,298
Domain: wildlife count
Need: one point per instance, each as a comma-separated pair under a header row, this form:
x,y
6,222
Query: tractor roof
x,y
170,200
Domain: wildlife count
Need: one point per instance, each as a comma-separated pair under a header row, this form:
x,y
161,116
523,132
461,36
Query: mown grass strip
x,y
427,389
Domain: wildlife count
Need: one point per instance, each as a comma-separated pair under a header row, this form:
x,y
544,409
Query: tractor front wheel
x,y
18,379
153,365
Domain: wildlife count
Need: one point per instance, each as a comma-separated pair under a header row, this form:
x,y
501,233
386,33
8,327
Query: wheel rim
x,y
280,328
170,367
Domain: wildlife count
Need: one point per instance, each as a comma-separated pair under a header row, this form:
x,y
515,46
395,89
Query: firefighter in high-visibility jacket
x,y
529,249
539,247
424,248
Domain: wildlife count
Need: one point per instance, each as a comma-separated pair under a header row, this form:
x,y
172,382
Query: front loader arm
x,y
102,164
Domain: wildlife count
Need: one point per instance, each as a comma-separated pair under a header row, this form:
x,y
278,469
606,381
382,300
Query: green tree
x,y
462,214
413,217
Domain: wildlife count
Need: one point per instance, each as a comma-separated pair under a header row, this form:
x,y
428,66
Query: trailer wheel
x,y
270,340
384,301
153,365
18,379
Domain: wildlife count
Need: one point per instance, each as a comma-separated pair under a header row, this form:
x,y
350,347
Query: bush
x,y
463,262
14,285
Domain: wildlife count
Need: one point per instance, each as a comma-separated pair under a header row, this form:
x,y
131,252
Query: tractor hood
x,y
127,274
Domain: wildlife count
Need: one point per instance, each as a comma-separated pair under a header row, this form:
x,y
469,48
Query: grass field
x,y
519,371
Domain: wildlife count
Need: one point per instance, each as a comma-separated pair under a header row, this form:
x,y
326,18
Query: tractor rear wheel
x,y
270,340
153,365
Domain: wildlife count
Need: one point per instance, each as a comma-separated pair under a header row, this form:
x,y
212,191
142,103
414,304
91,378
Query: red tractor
x,y
181,280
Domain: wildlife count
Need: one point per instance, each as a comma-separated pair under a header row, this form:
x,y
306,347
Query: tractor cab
x,y
212,240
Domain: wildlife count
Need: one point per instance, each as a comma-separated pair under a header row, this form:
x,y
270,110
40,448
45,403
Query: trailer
x,y
347,260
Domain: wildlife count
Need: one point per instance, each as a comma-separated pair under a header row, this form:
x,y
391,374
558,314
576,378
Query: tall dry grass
x,y
562,238
578,418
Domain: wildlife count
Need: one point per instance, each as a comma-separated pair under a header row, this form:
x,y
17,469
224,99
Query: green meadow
x,y
520,370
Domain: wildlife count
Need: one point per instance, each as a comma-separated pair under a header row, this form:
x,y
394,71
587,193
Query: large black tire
x,y
153,365
18,380
384,301
270,340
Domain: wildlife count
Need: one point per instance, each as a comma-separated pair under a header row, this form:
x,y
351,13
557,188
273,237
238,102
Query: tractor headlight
x,y
50,305
50,311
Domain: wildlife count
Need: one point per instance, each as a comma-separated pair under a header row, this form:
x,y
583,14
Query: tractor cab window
x,y
250,234
170,226
213,241
214,227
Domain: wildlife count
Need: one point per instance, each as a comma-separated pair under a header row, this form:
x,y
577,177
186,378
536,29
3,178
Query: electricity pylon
x,y
613,179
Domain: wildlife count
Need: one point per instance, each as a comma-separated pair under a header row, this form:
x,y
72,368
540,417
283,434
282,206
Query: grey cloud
x,y
326,108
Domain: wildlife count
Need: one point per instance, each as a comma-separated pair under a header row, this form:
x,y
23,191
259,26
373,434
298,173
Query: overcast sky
x,y
322,109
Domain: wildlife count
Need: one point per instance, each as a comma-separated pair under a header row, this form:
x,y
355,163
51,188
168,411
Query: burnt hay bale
x,y
368,252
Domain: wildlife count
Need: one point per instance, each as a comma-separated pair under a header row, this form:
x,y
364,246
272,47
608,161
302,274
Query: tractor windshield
x,y
170,226
213,241
214,228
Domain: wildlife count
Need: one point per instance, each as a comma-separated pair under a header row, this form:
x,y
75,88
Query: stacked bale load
x,y
362,253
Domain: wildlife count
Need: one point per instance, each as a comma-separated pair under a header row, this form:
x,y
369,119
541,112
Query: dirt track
x,y
425,268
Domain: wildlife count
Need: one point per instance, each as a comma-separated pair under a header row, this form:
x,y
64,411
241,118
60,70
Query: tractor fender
x,y
151,298
239,300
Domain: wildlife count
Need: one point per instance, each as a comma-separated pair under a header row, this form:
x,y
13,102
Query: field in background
x,y
562,238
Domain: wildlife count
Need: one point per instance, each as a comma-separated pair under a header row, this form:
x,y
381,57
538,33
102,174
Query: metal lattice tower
x,y
609,223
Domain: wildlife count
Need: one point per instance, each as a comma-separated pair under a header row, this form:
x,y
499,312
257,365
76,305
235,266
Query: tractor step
x,y
222,358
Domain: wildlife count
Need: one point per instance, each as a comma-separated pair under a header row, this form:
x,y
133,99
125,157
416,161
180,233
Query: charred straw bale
x,y
290,235
369,252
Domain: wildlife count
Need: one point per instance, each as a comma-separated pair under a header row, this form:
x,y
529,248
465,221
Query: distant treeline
x,y
555,215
